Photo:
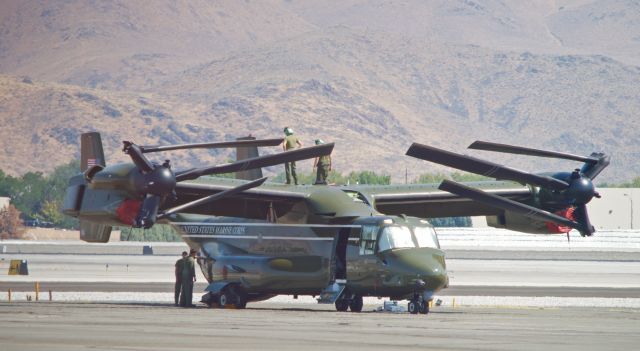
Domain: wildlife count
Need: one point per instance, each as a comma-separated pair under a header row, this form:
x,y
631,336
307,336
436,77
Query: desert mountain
x,y
373,76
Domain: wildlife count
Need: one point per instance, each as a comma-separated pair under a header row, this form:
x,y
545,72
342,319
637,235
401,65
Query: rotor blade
x,y
136,155
583,218
482,167
592,171
506,204
512,149
240,143
258,162
214,197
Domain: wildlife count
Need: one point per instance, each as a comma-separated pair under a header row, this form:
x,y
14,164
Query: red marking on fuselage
x,y
128,210
555,228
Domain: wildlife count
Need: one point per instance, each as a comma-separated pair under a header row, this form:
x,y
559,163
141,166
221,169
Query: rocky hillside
x,y
373,76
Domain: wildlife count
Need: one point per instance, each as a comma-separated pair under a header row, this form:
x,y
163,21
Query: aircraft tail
x,y
92,160
245,152
91,153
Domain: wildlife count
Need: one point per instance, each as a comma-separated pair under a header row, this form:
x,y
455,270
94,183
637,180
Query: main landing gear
x,y
231,296
354,303
418,305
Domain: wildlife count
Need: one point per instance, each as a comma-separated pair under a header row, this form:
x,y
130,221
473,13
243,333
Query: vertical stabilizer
x,y
94,232
91,157
91,153
245,152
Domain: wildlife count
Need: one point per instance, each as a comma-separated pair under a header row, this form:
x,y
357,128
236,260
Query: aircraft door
x,y
339,257
368,265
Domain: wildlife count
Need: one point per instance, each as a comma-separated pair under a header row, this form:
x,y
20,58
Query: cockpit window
x,y
426,237
368,239
394,237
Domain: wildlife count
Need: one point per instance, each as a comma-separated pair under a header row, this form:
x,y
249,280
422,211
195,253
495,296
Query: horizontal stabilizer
x,y
94,232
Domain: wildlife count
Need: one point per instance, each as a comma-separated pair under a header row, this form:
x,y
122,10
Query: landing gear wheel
x,y
208,299
342,305
225,298
423,308
356,304
241,303
413,307
241,297
232,295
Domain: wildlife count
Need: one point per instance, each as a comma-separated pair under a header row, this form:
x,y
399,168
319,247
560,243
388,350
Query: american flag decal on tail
x,y
91,153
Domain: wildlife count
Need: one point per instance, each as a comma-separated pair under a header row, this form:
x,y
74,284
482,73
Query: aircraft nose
x,y
425,264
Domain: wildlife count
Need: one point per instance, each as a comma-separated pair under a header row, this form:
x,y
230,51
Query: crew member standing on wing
x,y
290,142
188,278
178,287
323,163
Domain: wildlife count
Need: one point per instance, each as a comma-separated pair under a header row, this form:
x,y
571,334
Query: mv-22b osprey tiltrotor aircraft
x,y
339,243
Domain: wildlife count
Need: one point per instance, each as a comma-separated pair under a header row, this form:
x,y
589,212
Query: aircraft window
x,y
357,197
426,237
368,239
395,237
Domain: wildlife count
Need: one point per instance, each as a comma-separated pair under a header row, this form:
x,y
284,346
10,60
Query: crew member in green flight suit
x,y
291,141
178,286
323,164
188,278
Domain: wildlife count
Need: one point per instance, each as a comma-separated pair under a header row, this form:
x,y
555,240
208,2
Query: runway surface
x,y
272,326
508,291
464,290
480,262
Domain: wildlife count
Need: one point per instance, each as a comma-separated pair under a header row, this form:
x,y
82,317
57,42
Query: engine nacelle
x,y
518,222
88,203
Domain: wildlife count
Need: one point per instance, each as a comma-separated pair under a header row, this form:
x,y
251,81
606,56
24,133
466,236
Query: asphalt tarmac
x,y
494,269
521,292
465,290
271,326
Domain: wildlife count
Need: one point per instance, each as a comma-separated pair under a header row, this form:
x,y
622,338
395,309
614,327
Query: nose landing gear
x,y
418,305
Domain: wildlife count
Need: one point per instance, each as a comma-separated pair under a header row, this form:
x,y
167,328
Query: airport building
x,y
619,208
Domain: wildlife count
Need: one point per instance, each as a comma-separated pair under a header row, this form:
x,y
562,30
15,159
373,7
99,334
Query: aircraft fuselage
x,y
383,256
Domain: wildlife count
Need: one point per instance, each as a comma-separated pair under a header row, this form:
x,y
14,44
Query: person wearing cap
x,y
188,278
178,286
291,141
323,164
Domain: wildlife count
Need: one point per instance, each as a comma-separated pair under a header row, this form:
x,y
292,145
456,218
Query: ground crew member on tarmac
x,y
188,278
323,163
290,142
178,287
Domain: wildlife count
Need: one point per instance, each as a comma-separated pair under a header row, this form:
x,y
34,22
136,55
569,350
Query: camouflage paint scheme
x,y
336,242
280,239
